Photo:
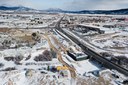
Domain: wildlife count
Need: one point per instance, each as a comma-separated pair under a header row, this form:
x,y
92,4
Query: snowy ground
x,y
26,20
30,72
37,78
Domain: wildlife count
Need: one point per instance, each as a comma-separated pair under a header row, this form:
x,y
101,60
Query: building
x,y
77,56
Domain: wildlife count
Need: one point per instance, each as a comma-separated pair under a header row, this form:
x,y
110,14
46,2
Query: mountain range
x,y
15,8
52,10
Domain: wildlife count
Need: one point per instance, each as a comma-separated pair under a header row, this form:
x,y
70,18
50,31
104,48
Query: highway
x,y
92,53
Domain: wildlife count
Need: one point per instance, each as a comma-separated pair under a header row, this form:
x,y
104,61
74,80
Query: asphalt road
x,y
92,53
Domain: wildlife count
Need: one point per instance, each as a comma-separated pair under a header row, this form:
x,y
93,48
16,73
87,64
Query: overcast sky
x,y
69,4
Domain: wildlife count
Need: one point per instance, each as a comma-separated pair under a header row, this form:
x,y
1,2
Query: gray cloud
x,y
71,4
18,3
97,4
11,2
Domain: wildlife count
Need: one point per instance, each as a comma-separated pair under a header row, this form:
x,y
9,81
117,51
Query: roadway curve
x,y
71,69
107,63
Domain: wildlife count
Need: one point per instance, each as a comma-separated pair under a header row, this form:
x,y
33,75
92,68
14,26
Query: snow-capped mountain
x,y
119,11
53,10
15,8
57,10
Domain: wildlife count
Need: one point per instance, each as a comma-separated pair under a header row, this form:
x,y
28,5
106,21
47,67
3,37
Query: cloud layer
x,y
69,4
98,4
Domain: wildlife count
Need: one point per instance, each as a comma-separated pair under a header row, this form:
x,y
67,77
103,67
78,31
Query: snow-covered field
x,y
28,58
27,20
